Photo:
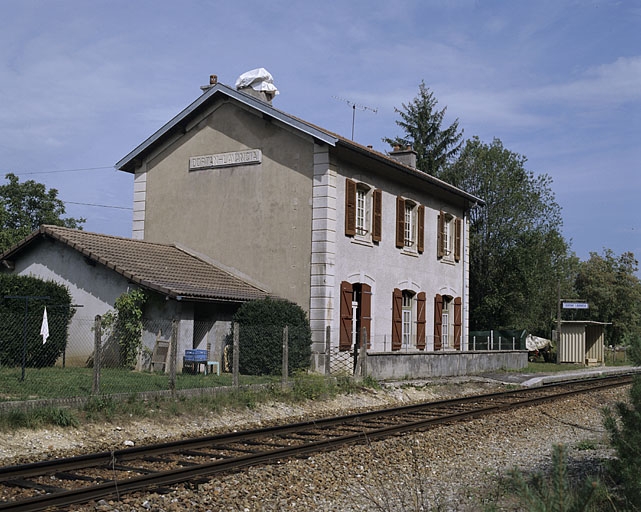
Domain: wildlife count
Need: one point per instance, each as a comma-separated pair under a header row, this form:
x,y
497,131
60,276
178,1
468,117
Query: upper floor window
x,y
449,237
362,217
363,211
410,227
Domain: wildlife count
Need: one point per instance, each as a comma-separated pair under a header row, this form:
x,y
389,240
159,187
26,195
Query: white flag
x,y
44,330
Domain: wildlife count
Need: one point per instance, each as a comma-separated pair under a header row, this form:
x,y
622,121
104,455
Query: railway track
x,y
63,482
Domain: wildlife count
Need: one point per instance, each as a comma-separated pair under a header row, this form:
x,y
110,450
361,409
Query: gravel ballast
x,y
452,467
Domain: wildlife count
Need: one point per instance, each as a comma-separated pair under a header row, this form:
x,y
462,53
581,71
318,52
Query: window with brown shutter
x,y
350,207
420,226
366,312
440,235
400,222
397,319
420,321
438,321
458,231
345,332
458,309
377,229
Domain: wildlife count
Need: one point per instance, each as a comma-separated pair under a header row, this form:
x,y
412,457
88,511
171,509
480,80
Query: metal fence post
x,y
363,354
173,355
285,369
97,354
328,354
235,354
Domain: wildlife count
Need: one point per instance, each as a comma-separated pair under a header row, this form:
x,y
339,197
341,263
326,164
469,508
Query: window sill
x,y
409,252
361,241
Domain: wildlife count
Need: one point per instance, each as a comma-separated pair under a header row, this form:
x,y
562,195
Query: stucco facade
x,y
359,240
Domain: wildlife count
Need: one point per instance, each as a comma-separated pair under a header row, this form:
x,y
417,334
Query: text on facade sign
x,y
250,156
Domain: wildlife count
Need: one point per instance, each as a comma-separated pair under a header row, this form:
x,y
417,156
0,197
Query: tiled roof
x,y
163,268
182,119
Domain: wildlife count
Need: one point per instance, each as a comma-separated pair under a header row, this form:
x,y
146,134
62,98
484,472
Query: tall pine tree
x,y
422,123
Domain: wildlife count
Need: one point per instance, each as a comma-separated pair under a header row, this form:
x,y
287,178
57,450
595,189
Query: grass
x,y
58,382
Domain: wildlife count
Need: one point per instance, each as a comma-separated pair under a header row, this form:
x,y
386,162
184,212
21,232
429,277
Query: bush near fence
x,y
22,303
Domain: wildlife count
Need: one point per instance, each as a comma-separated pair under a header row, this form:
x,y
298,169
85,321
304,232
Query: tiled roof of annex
x,y
164,268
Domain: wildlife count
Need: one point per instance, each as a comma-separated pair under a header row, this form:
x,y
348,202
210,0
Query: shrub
x,y
16,326
261,324
625,436
124,326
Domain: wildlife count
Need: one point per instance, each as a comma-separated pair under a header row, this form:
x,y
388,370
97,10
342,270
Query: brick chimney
x,y
406,156
213,80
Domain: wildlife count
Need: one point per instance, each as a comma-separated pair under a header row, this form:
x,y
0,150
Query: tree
x,y
422,122
518,255
26,206
613,291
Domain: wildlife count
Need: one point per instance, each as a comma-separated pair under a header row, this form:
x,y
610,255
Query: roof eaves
x,y
411,171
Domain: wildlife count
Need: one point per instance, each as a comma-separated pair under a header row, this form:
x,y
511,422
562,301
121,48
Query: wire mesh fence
x,y
83,356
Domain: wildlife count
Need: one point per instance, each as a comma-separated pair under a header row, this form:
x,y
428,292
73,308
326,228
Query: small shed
x,y
581,342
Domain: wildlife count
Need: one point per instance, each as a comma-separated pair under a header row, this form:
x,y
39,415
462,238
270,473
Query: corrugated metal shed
x,y
581,342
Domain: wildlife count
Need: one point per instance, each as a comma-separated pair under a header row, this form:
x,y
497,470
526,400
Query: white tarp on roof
x,y
533,343
258,79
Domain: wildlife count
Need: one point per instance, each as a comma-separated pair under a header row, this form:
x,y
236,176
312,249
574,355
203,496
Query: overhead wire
x,y
23,173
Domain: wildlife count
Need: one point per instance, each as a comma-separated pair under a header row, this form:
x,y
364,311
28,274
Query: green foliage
x,y
25,206
261,324
38,418
421,123
613,291
125,325
554,492
14,321
518,255
622,425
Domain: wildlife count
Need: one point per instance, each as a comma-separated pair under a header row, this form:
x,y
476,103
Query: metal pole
x,y
173,355
285,370
97,354
235,354
328,355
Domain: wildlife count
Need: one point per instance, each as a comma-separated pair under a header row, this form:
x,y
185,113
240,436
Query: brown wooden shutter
x,y
440,237
350,207
420,320
458,226
377,228
457,323
400,222
366,312
345,333
397,319
420,226
438,322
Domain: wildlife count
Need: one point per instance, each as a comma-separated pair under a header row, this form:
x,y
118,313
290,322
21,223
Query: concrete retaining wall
x,y
395,365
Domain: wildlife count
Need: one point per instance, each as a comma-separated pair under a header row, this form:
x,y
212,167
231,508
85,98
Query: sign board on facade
x,y
575,305
250,156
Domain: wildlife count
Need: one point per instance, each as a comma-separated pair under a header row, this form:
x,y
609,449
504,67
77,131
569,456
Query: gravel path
x,y
454,467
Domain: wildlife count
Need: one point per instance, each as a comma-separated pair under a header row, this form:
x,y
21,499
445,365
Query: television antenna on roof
x,y
355,106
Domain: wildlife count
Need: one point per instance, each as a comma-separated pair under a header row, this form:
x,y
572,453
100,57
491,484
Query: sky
x,y
83,82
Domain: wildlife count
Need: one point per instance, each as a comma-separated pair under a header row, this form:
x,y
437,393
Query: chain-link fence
x,y
83,356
